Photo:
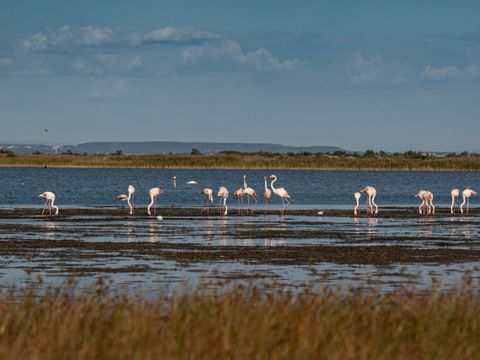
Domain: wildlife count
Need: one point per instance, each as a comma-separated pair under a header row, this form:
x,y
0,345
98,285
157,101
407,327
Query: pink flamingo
x,y
466,198
280,192
209,194
153,192
357,199
50,200
223,192
130,198
455,193
238,195
427,201
371,194
250,193
267,194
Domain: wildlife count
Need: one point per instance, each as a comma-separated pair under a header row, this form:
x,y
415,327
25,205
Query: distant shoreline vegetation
x,y
338,160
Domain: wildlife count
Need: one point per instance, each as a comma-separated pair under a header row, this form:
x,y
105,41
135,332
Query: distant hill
x,y
161,147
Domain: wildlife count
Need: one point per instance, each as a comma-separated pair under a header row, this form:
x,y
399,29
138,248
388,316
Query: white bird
x,y
159,217
209,194
250,193
121,198
192,182
427,201
466,199
267,194
174,182
223,192
455,193
50,200
131,198
371,194
238,195
282,193
153,192
357,199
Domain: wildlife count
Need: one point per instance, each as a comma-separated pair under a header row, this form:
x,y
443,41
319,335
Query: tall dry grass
x,y
241,324
247,161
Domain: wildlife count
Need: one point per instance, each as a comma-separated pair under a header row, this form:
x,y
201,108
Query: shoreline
x,y
426,169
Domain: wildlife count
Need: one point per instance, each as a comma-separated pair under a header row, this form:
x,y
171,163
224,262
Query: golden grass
x,y
241,324
247,161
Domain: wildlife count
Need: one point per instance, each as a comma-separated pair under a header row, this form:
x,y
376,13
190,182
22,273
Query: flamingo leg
x,y
44,206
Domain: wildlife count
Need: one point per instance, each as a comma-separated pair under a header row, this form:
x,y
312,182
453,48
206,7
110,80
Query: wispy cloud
x,y
450,72
259,59
185,35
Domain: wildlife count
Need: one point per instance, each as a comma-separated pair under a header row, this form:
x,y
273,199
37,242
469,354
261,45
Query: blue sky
x,y
359,75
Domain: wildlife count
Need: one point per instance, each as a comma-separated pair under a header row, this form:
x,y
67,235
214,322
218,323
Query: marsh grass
x,y
248,161
241,323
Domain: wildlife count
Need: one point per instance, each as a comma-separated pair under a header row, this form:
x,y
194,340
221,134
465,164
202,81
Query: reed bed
x,y
247,161
241,323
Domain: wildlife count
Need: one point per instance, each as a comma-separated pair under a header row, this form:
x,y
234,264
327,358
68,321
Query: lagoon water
x,y
323,189
87,188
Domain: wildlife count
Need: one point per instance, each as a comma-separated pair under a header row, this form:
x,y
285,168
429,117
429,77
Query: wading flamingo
x,y
371,194
209,194
131,198
455,193
153,192
427,201
267,194
280,192
223,192
238,195
466,199
50,201
357,199
250,193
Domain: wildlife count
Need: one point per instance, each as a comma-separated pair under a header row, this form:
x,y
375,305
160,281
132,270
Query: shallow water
x,y
143,272
146,273
323,189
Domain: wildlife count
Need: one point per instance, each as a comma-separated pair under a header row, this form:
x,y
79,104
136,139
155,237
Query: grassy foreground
x,y
241,324
250,161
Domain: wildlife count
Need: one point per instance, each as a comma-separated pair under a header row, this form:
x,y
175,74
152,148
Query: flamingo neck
x,y
271,184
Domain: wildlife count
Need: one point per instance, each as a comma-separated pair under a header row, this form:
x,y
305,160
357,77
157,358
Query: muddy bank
x,y
387,212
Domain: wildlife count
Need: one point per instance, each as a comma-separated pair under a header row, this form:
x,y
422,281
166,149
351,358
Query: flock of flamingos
x,y
425,196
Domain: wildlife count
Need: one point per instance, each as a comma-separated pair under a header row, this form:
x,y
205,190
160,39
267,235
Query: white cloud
x,y
369,69
260,59
170,34
450,72
37,41
94,36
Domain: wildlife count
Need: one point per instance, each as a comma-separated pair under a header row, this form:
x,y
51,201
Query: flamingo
x,y
280,192
250,193
153,192
371,194
131,198
455,193
223,192
357,199
50,200
427,201
238,195
466,198
209,194
267,194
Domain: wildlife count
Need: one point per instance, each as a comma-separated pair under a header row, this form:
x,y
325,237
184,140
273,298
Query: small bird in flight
x,y
46,130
